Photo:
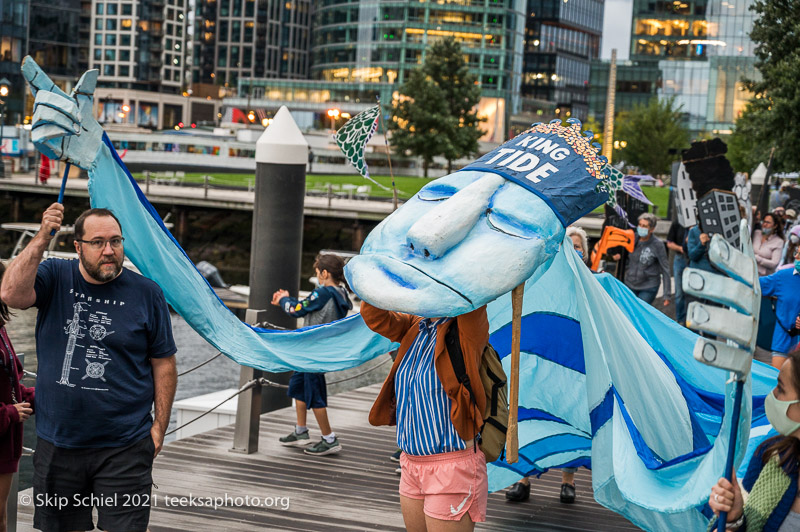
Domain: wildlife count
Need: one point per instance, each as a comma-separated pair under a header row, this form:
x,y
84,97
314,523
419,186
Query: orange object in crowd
x,y
612,237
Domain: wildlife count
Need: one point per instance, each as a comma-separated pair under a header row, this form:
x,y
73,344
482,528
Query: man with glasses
x,y
106,356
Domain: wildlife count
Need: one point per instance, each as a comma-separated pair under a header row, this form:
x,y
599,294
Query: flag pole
x,y
61,192
388,154
512,440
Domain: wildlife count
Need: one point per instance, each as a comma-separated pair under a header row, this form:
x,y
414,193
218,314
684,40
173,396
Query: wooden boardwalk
x,y
354,490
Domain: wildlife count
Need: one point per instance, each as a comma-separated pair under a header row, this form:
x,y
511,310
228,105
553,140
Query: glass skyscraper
x,y
695,51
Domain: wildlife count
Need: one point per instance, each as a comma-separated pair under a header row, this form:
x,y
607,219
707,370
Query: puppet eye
x,y
508,225
437,192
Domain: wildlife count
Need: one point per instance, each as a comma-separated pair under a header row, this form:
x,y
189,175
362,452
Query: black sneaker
x,y
567,493
396,455
519,492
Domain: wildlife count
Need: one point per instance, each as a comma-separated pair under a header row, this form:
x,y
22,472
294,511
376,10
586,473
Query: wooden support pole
x,y
512,441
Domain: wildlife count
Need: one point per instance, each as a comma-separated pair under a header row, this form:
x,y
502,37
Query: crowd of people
x,y
96,438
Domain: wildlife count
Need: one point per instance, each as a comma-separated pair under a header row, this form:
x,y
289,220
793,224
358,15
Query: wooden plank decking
x,y
354,490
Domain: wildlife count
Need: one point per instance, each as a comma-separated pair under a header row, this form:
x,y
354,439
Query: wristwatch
x,y
735,525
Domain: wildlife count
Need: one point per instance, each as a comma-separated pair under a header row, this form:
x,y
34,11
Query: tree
x,y
654,135
435,114
772,117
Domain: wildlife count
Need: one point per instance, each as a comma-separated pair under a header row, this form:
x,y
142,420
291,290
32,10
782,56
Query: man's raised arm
x,y
17,290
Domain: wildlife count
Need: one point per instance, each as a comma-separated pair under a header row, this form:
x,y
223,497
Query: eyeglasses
x,y
98,244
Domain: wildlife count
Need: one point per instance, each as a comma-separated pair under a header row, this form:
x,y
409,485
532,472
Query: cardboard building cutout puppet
x,y
607,381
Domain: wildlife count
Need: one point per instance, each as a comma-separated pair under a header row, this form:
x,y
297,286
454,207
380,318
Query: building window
x,y
124,71
124,55
98,54
125,39
111,39
127,9
108,70
111,55
98,24
99,8
111,24
111,9
98,39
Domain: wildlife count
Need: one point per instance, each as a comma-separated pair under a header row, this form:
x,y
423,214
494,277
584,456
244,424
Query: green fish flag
x,y
352,139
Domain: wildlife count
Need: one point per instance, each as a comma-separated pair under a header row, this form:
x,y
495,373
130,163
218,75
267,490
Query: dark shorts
x,y
67,483
309,388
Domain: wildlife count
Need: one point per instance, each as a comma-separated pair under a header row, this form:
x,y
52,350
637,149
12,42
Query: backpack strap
x,y
453,344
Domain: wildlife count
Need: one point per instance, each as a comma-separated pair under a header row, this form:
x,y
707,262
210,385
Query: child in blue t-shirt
x,y
328,302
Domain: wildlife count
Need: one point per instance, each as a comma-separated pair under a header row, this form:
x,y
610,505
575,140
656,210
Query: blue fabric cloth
x,y
309,388
648,295
344,344
784,285
424,426
678,265
698,253
94,343
650,421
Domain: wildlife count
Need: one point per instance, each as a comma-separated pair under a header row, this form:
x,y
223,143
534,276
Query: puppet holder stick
x,y
737,408
388,154
61,192
512,441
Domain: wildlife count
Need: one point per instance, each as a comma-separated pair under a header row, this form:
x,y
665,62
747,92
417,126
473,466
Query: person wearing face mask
x,y
768,244
770,483
787,256
580,242
784,285
648,263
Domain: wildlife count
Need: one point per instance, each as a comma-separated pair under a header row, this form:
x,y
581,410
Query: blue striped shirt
x,y
423,407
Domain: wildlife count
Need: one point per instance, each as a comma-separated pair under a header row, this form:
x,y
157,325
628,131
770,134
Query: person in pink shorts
x,y
444,484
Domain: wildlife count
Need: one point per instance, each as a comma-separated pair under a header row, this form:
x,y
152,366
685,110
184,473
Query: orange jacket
x,y
473,332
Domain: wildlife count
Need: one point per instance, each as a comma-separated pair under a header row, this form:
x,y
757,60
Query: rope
x,y
200,365
362,373
251,384
268,325
243,389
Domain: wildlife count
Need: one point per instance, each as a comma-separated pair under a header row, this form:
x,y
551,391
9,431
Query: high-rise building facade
x,y
139,44
250,38
695,51
374,41
13,45
561,40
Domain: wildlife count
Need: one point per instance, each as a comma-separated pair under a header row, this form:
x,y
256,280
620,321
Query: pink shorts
x,y
451,484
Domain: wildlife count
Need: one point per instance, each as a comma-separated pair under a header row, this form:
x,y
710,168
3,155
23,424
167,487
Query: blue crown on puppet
x,y
558,163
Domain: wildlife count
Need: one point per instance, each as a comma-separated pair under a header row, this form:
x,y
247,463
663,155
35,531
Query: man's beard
x,y
95,272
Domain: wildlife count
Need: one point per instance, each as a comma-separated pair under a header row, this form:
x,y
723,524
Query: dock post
x,y
248,409
277,236
147,182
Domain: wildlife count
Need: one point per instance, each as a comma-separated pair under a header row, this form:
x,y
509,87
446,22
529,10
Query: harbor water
x,y
219,374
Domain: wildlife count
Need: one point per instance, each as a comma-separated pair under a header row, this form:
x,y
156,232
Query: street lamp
x,y
334,114
5,89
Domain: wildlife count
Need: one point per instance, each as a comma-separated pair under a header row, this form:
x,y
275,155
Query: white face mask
x,y
776,414
794,239
642,231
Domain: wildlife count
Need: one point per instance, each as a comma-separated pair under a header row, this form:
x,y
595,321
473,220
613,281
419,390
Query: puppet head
x,y
473,235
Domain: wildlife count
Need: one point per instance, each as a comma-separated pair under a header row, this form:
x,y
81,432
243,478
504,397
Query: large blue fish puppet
x,y
606,381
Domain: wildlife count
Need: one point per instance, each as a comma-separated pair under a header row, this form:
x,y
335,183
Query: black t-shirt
x,y
677,235
94,343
